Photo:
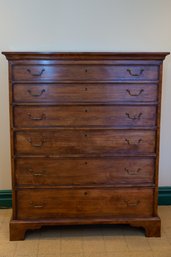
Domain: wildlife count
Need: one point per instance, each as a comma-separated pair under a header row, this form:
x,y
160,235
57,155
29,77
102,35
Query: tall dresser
x,y
85,133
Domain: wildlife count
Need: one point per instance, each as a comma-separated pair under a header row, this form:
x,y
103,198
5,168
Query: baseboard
x,y
163,199
164,196
5,199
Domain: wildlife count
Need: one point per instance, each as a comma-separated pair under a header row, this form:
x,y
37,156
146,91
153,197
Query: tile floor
x,y
88,241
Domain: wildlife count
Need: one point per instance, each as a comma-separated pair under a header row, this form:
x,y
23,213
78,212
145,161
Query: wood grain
x,y
51,116
84,92
86,141
84,72
85,131
72,203
85,171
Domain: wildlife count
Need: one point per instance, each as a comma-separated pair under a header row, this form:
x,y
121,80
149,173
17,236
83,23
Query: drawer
x,y
64,72
80,203
39,116
74,93
85,171
73,142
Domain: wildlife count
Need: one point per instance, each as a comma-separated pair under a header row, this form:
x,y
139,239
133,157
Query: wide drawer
x,y
64,72
85,171
42,116
74,93
77,203
70,142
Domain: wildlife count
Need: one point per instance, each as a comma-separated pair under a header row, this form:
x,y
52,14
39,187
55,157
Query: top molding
x,y
85,55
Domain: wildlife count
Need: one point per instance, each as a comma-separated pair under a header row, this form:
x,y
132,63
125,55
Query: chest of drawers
x,y
84,139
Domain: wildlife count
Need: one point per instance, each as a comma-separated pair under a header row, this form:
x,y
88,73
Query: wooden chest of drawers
x,y
84,139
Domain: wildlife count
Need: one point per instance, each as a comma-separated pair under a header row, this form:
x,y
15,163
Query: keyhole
x,y
86,111
85,163
85,193
85,135
85,88
85,70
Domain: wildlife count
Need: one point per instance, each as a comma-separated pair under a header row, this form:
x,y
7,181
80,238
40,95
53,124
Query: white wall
x,y
85,25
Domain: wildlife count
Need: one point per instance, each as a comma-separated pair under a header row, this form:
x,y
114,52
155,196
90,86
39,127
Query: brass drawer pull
x,y
36,174
36,95
42,117
132,172
134,117
132,203
133,143
131,94
135,74
36,144
35,74
37,205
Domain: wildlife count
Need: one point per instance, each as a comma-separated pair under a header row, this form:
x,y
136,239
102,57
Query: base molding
x,y
5,199
164,197
18,228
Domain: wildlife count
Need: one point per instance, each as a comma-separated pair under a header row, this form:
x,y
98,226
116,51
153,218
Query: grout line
x,y
82,242
149,244
60,242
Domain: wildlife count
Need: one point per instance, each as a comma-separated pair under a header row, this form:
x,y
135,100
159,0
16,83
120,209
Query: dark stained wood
x,y
152,225
87,141
85,171
85,133
85,55
18,229
158,140
72,203
50,116
83,73
84,93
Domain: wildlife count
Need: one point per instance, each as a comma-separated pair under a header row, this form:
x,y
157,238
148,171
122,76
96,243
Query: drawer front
x,y
86,141
85,171
72,93
33,116
85,72
78,203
